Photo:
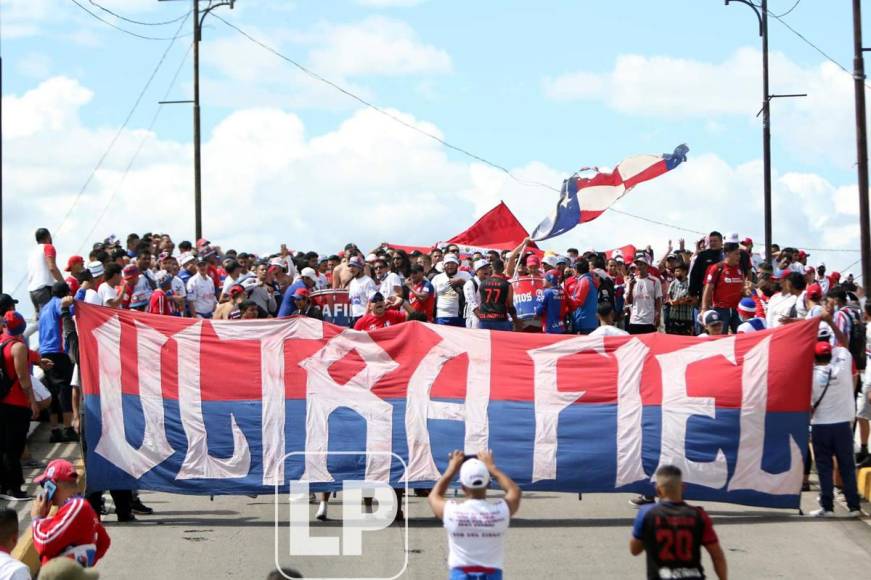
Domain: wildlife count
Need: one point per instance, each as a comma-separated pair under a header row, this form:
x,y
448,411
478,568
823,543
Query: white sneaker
x,y
821,513
851,514
322,511
296,497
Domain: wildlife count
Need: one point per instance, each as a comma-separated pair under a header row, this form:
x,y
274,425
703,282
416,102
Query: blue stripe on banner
x,y
586,452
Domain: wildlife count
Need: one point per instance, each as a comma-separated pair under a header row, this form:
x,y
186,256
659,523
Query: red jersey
x,y
159,303
425,305
372,322
74,531
125,290
728,285
215,275
16,395
73,284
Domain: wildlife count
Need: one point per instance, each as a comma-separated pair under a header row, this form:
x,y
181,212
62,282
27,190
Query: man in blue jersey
x,y
673,532
550,309
59,377
749,321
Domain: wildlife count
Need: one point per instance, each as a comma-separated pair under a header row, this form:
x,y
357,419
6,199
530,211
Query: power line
x,y
137,152
794,6
116,136
132,21
116,27
314,75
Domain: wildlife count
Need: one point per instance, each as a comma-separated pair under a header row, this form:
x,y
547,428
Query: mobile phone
x,y
50,489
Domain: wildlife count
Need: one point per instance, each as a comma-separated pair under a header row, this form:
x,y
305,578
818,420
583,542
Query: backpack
x,y
606,291
856,337
6,380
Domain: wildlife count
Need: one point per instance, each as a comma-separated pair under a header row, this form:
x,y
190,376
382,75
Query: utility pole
x,y
198,17
766,118
198,192
861,144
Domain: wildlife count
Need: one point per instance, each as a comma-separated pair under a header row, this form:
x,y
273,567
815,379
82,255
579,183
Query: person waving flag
x,y
583,199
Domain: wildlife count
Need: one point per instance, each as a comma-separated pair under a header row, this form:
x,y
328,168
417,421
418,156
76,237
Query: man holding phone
x,y
476,527
74,531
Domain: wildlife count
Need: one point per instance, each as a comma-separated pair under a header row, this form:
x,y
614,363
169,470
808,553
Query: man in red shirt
x,y
74,265
379,316
160,302
724,287
74,531
421,295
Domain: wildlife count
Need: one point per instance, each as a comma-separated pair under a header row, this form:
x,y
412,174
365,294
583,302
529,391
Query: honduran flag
x,y
583,199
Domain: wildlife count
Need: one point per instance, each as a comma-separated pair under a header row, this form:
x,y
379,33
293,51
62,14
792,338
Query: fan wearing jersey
x,y
552,309
673,532
379,316
749,321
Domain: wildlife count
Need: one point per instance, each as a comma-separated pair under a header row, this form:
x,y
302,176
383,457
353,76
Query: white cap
x,y
641,257
481,264
451,259
309,273
550,260
186,259
371,258
733,238
474,474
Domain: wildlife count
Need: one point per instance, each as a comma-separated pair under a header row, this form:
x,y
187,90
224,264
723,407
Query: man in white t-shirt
x,y
360,289
606,327
201,291
10,568
389,283
42,270
106,291
448,287
644,298
833,407
476,527
783,306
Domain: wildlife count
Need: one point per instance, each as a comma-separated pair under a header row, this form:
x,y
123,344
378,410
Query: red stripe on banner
x,y
230,370
654,170
588,216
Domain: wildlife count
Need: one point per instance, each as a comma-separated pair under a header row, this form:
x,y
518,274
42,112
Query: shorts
x,y
497,325
451,321
863,406
58,381
40,298
460,574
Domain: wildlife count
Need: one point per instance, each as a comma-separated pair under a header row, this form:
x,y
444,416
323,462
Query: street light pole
x,y
766,132
198,199
861,144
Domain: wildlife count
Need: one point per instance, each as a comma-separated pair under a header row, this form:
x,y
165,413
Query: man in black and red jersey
x,y
673,532
497,300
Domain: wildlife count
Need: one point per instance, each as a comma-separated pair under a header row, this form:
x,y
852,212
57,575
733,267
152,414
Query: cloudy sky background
x,y
541,88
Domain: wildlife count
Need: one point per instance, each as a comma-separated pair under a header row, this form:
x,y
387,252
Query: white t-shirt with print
x,y
838,405
360,290
779,306
644,296
389,283
476,532
107,293
447,296
608,330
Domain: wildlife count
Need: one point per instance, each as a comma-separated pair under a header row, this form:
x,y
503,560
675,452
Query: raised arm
x,y
437,495
511,489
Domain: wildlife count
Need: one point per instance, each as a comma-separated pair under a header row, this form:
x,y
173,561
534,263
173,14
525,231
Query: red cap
x,y
273,269
74,260
15,323
747,242
235,290
58,470
533,261
814,291
836,275
129,271
202,242
803,254
301,293
823,348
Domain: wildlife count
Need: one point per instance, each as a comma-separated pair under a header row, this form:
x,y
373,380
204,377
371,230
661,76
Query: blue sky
x,y
540,87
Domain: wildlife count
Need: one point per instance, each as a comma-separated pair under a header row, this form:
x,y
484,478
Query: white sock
x,y
322,510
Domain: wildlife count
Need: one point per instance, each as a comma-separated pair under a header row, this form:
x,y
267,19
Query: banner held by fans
x,y
214,407
583,199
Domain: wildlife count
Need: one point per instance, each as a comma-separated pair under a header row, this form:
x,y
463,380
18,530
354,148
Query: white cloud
x,y
368,180
376,46
818,126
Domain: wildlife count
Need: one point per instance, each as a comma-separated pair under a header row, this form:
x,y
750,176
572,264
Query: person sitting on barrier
x,y
380,316
75,530
673,532
476,527
606,322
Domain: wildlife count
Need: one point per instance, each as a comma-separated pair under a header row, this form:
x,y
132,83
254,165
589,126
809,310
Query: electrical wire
x,y
136,153
132,21
118,28
115,138
794,6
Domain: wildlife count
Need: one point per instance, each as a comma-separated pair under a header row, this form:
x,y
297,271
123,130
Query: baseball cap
x,y
561,260
236,290
186,259
129,271
310,274
823,348
641,257
451,259
481,264
58,470
553,276
824,333
73,260
711,317
747,242
300,293
474,474
814,291
95,268
14,321
732,238
549,260
803,254
355,262
64,568
371,258
377,297
533,261
835,275
747,305
202,243
7,302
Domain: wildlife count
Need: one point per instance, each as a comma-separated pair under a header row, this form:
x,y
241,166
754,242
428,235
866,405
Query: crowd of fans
x,y
721,286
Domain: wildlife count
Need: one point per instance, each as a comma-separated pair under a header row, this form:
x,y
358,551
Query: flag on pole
x,y
583,199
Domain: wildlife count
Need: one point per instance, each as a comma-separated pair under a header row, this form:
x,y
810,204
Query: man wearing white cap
x,y
449,287
476,527
470,292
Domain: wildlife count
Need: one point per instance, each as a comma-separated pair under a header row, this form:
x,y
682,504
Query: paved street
x,y
555,536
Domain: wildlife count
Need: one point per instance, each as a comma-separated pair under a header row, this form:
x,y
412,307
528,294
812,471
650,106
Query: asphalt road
x,y
553,536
